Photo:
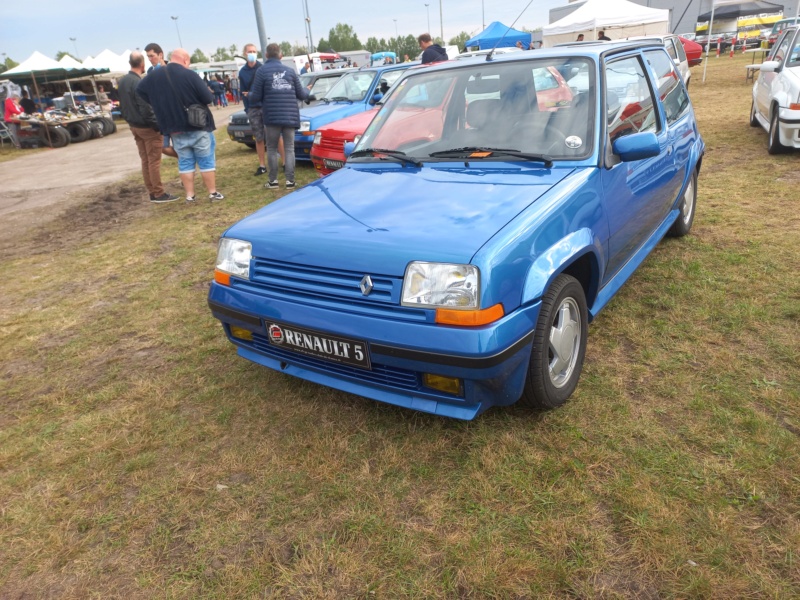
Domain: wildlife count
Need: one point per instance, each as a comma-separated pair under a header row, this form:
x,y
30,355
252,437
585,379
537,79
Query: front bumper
x,y
491,361
241,133
789,127
302,145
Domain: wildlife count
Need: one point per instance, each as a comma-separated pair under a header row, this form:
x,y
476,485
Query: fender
x,y
553,261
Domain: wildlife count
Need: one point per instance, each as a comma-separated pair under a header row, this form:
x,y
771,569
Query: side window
x,y
781,48
794,55
629,102
669,44
391,76
681,51
673,95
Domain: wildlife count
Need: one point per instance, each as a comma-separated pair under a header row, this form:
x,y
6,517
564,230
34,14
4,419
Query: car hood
x,y
322,114
377,219
352,125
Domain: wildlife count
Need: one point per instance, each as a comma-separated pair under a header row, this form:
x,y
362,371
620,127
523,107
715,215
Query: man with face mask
x,y
246,76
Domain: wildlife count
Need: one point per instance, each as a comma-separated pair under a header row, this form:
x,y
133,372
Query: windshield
x,y
509,111
353,86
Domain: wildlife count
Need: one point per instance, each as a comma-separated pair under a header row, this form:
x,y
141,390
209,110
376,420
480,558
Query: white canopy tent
x,y
69,63
618,18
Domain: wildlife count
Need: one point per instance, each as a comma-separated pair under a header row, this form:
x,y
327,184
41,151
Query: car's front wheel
x,y
688,202
774,145
559,345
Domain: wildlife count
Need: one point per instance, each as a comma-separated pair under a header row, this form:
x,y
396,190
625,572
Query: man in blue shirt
x,y
246,76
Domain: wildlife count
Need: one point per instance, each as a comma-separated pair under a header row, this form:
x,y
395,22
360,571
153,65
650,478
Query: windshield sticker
x,y
573,142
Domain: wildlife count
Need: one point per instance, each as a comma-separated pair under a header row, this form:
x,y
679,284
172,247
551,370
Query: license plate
x,y
239,134
319,345
332,164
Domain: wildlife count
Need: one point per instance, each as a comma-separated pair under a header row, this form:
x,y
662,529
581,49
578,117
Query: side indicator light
x,y
794,106
469,318
449,385
221,277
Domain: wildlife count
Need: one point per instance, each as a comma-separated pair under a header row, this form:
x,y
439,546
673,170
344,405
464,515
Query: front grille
x,y
379,374
329,283
329,143
240,121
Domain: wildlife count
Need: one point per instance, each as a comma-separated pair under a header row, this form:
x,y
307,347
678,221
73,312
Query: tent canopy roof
x,y
43,68
606,14
743,9
497,32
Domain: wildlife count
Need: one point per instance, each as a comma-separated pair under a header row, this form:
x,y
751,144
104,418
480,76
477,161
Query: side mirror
x,y
770,66
376,98
348,148
636,146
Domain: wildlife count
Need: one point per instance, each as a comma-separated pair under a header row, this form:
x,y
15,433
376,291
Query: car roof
x,y
329,73
591,49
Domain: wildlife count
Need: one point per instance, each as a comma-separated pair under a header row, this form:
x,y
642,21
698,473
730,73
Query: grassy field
x,y
141,458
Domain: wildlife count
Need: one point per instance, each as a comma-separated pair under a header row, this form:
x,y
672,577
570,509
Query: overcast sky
x,y
119,25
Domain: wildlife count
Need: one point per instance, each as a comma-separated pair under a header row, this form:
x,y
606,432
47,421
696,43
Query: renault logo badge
x,y
365,285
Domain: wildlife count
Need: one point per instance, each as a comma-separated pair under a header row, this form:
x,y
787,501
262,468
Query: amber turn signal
x,y
449,385
469,318
221,277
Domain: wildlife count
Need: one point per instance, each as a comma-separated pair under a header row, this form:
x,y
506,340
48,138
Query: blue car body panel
x,y
522,223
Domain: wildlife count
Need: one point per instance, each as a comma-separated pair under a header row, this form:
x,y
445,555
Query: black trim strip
x,y
234,314
789,121
451,360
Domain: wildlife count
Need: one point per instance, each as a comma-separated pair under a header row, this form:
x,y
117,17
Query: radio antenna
x,y
489,56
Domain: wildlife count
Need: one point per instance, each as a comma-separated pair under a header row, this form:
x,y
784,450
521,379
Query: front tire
x,y
683,224
774,145
559,345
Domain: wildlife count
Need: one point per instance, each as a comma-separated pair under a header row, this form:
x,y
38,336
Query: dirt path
x,y
37,188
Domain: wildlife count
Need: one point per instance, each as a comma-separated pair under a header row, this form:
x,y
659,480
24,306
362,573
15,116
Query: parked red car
x,y
694,51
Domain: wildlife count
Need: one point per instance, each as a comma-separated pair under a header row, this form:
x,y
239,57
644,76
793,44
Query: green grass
x,y
140,457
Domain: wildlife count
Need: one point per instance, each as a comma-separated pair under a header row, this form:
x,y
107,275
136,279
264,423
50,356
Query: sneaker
x,y
271,185
289,185
260,171
214,196
190,198
163,198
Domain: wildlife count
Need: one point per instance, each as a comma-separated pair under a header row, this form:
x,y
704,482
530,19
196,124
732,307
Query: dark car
x,y
455,261
317,82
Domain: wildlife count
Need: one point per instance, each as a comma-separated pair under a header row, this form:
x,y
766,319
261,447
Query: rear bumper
x,y
492,361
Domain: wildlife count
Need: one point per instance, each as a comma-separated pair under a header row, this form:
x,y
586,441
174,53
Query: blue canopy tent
x,y
497,32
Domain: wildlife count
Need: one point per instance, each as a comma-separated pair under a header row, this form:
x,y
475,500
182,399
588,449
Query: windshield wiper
x,y
325,100
397,154
548,162
341,99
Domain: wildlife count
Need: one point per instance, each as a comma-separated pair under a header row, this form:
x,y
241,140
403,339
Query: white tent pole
x,y
708,41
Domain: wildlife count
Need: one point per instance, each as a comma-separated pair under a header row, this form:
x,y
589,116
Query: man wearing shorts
x,y
169,91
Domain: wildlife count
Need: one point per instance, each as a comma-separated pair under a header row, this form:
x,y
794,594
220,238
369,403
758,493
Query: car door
x,y
766,79
635,192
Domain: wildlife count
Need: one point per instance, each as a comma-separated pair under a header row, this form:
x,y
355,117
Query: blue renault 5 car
x,y
354,93
491,209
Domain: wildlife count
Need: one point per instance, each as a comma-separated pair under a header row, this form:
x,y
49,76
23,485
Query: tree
x,y
402,46
460,40
221,54
286,49
341,39
7,64
374,45
61,54
232,50
198,57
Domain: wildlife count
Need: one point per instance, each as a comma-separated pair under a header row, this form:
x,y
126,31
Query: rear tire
x,y
559,345
774,145
683,224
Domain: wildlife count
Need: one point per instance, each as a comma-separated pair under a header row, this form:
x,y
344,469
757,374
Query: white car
x,y
776,94
676,52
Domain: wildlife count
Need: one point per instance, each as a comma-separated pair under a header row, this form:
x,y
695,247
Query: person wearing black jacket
x,y
139,115
431,52
170,91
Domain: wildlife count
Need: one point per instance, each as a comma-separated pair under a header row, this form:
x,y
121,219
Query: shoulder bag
x,y
196,114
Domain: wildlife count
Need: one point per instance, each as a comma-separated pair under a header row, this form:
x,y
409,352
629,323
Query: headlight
x,y
305,126
441,284
317,138
230,120
234,257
